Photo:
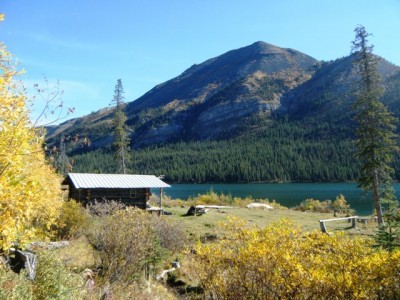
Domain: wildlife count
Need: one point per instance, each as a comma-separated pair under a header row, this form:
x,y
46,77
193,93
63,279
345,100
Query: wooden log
x,y
338,219
49,245
175,265
213,206
351,219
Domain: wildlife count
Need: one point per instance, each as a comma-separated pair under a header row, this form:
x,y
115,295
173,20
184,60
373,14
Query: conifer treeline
x,y
286,151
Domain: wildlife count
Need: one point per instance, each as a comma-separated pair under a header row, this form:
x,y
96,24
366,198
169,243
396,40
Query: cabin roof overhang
x,y
113,181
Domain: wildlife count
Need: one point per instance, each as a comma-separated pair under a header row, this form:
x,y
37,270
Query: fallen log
x,y
175,265
213,206
259,205
48,245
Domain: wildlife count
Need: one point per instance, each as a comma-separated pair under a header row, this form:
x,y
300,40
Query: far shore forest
x,y
288,152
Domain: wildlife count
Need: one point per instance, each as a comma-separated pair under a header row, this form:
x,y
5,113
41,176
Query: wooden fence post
x,y
322,225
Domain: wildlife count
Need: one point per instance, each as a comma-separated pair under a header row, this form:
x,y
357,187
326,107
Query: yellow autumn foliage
x,y
29,189
281,261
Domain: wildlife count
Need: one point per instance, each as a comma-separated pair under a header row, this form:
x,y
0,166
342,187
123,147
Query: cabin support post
x,y
161,196
322,225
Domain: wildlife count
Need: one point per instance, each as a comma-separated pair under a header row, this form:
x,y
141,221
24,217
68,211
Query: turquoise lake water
x,y
287,194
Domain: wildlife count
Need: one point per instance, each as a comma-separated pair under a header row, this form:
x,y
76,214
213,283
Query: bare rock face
x,y
161,134
217,120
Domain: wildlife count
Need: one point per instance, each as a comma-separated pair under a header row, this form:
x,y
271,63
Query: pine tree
x,y
388,235
121,140
376,138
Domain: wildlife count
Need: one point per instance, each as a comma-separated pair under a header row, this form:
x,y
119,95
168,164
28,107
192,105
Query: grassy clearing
x,y
208,224
79,255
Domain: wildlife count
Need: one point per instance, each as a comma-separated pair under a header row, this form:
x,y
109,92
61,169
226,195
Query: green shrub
x,y
341,206
388,234
14,286
131,243
126,244
53,281
315,206
73,217
212,198
105,207
170,235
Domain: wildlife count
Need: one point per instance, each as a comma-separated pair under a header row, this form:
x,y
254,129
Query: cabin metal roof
x,y
114,181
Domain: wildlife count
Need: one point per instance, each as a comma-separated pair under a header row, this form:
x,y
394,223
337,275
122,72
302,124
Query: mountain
x,y
202,81
330,91
209,100
265,113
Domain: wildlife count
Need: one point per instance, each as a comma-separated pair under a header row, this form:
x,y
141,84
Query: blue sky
x,y
88,44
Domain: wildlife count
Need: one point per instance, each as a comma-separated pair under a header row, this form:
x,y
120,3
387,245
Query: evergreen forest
x,y
283,152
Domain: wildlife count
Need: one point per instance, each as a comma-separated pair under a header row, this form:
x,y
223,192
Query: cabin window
x,y
132,193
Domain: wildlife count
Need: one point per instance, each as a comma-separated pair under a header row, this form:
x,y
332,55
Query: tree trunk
x,y
377,200
123,161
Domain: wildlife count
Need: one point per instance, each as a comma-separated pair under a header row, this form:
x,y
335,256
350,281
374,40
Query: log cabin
x,y
129,189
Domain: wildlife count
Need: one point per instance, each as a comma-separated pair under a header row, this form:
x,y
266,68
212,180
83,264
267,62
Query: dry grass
x,y
208,224
79,255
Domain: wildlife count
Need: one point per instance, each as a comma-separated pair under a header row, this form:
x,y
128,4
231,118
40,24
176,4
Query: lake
x,y
287,194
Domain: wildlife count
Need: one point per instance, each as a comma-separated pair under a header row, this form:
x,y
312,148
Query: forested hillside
x,y
286,151
260,113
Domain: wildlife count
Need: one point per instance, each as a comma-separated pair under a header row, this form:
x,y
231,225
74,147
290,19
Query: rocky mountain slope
x,y
238,92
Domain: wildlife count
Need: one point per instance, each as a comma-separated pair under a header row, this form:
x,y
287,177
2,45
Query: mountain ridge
x,y
232,64
240,93
148,115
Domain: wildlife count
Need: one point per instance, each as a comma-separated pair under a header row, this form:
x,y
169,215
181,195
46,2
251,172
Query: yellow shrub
x,y
315,205
281,261
211,198
30,196
71,221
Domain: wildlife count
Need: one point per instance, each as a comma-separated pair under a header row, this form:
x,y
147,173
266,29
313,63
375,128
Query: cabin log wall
x,y
134,197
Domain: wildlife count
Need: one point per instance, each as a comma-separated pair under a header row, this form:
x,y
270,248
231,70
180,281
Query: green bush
x,y
131,243
72,219
14,286
53,281
105,207
170,235
126,244
212,198
315,206
341,206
